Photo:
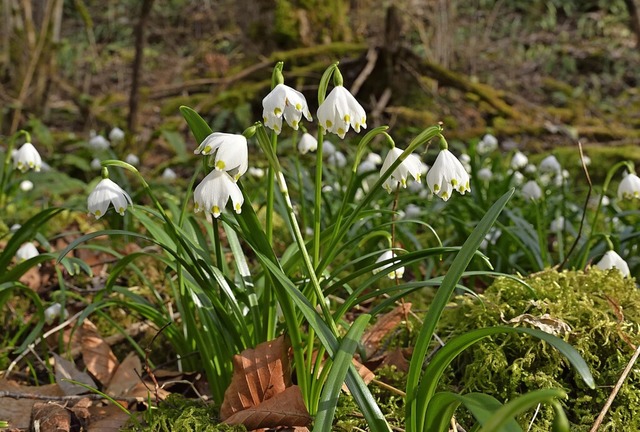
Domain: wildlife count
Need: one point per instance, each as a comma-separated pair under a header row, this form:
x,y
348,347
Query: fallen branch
x,y
92,396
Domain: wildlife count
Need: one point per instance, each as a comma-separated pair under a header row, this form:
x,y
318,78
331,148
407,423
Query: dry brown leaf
x,y
258,375
397,358
96,353
364,372
18,411
382,327
546,323
50,417
108,418
283,409
125,377
66,370
145,390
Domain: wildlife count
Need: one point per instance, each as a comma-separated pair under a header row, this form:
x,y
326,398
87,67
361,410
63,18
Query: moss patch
x,y
603,310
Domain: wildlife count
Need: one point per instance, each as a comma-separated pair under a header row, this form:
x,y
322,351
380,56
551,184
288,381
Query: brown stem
x,y
137,65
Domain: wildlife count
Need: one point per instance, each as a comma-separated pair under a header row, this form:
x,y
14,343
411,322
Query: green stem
x,y
216,243
317,201
270,193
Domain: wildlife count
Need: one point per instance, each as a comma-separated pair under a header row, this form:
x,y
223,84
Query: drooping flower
x,y
341,110
26,185
446,175
95,164
531,191
256,172
284,101
230,152
328,148
387,255
629,187
116,135
27,158
374,158
213,193
169,174
485,174
412,211
411,166
488,144
98,142
53,312
108,192
307,143
557,224
612,260
337,159
26,251
550,165
519,160
132,159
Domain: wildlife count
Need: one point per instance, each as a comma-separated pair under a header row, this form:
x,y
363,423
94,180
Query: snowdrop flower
x,y
485,174
26,251
612,260
424,169
337,159
446,175
327,188
132,159
26,185
366,166
341,110
408,167
531,191
53,312
95,164
488,144
213,193
550,164
230,152
256,172
587,160
557,224
465,159
374,158
491,238
14,228
594,200
116,135
98,142
107,192
328,148
283,101
393,274
412,211
27,158
517,178
629,187
530,169
519,160
415,188
169,174
307,143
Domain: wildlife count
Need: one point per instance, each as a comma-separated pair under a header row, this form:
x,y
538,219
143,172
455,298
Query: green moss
x,y
603,310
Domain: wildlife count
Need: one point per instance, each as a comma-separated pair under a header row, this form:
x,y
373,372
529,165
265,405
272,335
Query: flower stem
x,y
317,201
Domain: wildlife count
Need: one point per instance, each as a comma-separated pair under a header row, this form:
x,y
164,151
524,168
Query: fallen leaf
x,y
66,370
382,327
96,353
108,418
397,358
125,377
365,373
546,323
17,412
50,417
283,409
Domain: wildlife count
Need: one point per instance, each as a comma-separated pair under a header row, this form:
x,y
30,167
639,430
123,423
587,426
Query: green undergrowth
x,y
603,312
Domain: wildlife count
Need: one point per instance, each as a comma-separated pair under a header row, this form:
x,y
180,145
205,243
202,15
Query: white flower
x,y
26,251
307,143
409,167
53,312
375,158
230,152
531,191
14,228
412,211
98,142
366,166
107,192
337,159
447,174
491,238
587,160
283,101
132,159
169,174
488,144
116,135
629,187
26,185
530,169
256,172
517,178
550,164
557,224
399,272
213,193
519,160
612,260
485,174
95,164
27,158
341,110
328,148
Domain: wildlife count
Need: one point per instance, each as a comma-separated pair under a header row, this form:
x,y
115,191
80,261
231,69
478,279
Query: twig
x,y
615,390
147,369
92,396
372,59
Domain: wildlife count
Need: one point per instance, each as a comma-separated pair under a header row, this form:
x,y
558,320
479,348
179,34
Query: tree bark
x,y
634,15
137,65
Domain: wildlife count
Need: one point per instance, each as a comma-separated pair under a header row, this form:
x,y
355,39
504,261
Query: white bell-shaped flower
x,y
557,225
531,191
629,187
446,175
337,159
26,185
307,143
519,160
375,158
485,174
387,255
256,172
96,164
550,165
341,110
213,193
26,251
612,260
169,174
411,166
488,144
27,158
98,143
116,135
284,101
328,148
230,152
108,192
132,159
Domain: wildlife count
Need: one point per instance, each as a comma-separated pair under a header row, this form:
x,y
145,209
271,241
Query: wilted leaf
x,y
107,419
125,377
97,354
258,375
283,409
66,370
546,323
383,326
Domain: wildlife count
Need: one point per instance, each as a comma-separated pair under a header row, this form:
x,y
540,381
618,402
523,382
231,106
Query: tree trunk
x,y
634,15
